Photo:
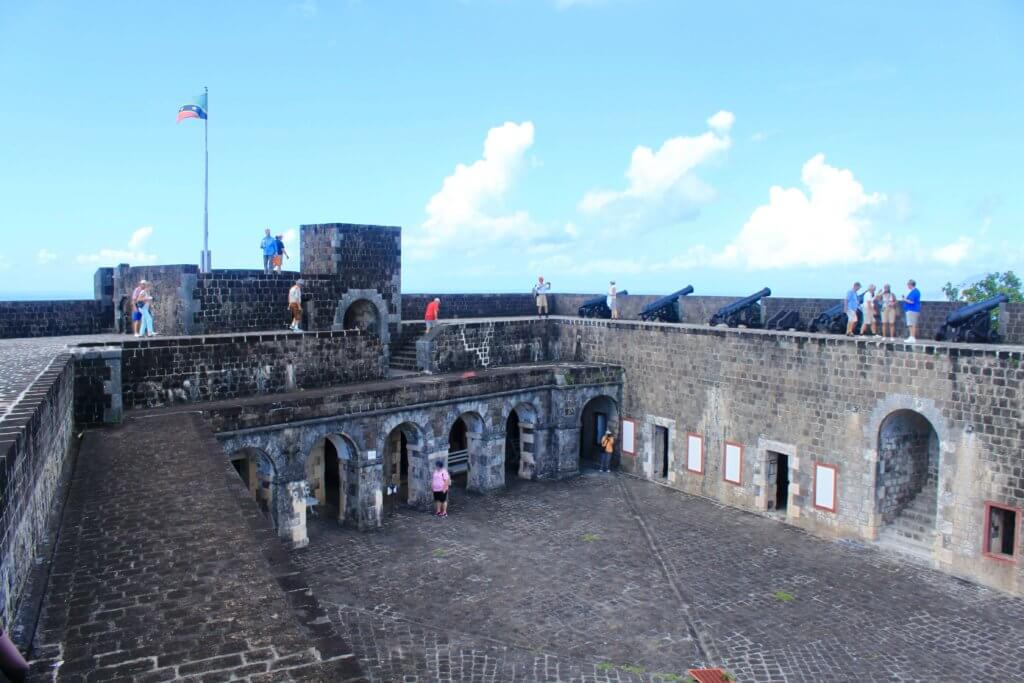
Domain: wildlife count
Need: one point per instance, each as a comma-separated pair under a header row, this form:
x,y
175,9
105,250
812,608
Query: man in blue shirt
x,y
912,307
852,306
269,247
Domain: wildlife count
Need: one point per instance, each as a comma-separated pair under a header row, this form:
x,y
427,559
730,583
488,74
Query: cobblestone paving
x,y
607,578
166,570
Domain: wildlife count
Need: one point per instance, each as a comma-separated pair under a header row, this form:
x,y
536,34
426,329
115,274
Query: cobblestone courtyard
x,y
607,578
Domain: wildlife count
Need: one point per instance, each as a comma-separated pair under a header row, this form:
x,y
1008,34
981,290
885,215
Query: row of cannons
x,y
970,324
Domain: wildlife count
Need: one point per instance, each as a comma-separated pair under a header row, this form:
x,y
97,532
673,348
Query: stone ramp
x,y
165,570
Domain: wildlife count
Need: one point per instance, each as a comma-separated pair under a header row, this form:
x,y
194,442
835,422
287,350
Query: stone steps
x,y
403,350
912,533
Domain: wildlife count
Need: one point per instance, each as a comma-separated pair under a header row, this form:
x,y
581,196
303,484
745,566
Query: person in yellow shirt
x,y
607,448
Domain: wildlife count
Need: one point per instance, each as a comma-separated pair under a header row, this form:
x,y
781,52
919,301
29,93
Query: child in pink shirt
x,y
440,482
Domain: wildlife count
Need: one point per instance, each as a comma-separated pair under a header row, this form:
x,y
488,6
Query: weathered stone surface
x,y
165,568
53,318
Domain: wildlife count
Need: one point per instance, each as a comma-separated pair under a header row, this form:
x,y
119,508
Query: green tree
x,y
987,287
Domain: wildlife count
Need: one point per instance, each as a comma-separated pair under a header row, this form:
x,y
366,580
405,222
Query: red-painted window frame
x,y
1012,559
835,486
725,452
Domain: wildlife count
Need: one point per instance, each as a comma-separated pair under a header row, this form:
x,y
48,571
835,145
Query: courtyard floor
x,y
608,578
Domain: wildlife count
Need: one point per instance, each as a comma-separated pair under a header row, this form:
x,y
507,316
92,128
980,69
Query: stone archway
x,y
908,465
465,451
257,470
400,485
520,442
362,315
330,467
364,309
600,414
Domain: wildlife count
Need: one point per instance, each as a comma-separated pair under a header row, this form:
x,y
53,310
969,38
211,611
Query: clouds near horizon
x,y
134,253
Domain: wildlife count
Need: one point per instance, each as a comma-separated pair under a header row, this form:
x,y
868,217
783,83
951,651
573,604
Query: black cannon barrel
x,y
597,307
742,311
664,308
962,315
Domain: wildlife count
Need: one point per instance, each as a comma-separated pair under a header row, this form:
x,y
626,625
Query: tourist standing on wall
x,y
281,253
295,305
888,300
430,315
137,307
146,299
607,448
440,482
912,307
868,308
269,248
540,294
613,300
852,305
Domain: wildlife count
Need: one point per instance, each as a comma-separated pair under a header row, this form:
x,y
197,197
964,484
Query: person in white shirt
x,y
869,307
540,294
295,305
613,303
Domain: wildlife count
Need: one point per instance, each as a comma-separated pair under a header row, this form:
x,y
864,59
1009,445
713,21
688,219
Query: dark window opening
x,y
661,451
332,477
1001,532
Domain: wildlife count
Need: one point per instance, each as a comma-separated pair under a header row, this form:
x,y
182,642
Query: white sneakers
x,y
909,340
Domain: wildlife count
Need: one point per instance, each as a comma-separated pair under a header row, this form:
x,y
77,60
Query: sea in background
x,y
46,296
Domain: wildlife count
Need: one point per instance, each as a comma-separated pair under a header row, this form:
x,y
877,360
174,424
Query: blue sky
x,y
730,145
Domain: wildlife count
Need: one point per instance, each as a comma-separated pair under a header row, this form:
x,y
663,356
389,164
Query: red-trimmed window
x,y
629,436
1002,532
732,463
694,453
826,486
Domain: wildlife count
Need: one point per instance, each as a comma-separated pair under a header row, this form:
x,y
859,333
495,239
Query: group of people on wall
x,y
874,306
274,252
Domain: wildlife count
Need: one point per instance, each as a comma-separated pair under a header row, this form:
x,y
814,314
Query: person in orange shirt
x,y
430,316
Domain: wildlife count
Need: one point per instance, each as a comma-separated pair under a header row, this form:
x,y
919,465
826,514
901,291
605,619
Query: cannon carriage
x,y
785,320
972,323
833,319
597,307
747,311
665,309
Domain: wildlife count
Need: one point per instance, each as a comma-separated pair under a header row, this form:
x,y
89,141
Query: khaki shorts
x,y
889,315
912,317
296,310
542,301
851,315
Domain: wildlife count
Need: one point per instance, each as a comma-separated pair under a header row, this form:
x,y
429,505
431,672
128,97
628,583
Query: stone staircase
x,y
912,533
403,349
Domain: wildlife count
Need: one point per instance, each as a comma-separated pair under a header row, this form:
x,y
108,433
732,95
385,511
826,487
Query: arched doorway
x,y
599,415
464,441
256,470
399,448
513,446
362,314
906,483
327,472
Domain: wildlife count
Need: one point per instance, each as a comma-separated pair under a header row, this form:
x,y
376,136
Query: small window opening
x,y
1001,536
661,450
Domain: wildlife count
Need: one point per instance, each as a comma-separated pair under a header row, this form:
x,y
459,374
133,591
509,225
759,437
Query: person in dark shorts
x,y
440,482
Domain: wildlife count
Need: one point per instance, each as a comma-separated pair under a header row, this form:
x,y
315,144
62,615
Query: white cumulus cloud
x,y
825,222
953,254
44,256
662,187
134,253
468,209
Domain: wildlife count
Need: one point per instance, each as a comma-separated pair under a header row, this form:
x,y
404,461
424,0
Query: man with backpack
x,y
269,248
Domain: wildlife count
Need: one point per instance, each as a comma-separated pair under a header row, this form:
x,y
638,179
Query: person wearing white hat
x,y
295,305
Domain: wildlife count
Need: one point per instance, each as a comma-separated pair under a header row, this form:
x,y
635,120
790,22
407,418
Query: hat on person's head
x,y
607,432
300,282
438,464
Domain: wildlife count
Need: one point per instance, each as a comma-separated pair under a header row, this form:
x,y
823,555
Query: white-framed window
x,y
732,467
694,453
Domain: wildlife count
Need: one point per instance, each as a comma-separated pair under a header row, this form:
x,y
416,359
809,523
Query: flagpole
x,y
206,186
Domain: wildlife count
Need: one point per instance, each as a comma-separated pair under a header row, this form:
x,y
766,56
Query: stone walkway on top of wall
x,y
608,578
166,570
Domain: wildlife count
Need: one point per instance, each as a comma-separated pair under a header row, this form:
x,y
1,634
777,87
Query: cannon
x,y
833,319
746,311
785,320
597,307
665,308
972,323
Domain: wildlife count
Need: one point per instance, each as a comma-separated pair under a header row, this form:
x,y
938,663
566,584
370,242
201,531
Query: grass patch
x,y
440,552
605,666
628,668
590,538
781,596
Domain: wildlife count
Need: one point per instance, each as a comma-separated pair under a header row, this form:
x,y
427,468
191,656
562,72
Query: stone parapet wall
x,y
35,440
160,372
470,305
451,347
54,318
242,300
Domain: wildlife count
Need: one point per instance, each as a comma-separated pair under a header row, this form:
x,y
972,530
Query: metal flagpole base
x,y
204,261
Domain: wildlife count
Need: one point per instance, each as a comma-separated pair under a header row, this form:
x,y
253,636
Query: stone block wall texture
x,y
1011,323
54,318
822,399
98,395
172,286
242,300
35,440
451,347
470,305
159,372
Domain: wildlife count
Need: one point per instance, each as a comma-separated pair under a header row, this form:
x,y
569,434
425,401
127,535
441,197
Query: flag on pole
x,y
195,110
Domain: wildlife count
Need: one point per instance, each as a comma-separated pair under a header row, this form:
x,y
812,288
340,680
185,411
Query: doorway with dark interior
x,y
661,452
777,482
513,446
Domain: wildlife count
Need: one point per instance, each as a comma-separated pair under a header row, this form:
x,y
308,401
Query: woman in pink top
x,y
440,482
